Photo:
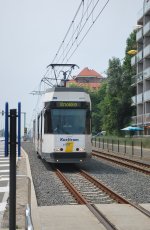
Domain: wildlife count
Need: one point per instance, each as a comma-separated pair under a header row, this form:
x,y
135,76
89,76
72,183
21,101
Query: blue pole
x,y
19,129
6,129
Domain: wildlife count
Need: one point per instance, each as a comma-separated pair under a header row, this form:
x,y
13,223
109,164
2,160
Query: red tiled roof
x,y
89,72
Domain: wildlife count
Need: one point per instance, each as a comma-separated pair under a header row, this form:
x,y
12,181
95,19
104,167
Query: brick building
x,y
87,78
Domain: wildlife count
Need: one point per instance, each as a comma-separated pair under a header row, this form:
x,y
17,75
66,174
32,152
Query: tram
x,y
63,126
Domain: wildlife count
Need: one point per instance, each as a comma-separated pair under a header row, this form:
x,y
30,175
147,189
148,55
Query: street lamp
x,y
132,52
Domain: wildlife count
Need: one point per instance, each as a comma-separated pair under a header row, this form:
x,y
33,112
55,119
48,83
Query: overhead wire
x,y
83,15
88,29
86,12
68,30
75,39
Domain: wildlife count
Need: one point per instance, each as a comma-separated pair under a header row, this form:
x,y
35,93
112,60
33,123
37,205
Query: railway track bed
x,y
133,164
54,203
133,185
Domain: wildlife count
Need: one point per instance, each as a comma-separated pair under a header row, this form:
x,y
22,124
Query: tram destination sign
x,y
67,104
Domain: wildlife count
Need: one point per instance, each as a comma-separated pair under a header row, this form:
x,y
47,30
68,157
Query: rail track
x,y
87,190
135,165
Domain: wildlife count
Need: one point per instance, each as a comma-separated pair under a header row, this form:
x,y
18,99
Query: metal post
x,y
19,129
124,146
141,149
12,190
118,145
132,148
108,145
6,129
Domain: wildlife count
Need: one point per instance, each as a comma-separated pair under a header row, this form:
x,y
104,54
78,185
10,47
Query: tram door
x,y
41,126
39,137
38,133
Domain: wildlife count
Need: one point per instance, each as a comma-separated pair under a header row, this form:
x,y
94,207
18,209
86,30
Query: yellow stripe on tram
x,y
69,146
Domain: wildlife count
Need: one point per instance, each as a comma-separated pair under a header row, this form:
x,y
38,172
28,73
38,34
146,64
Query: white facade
x,y
141,60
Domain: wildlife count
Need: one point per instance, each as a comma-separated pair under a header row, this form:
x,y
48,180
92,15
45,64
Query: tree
x,y
96,99
115,108
110,106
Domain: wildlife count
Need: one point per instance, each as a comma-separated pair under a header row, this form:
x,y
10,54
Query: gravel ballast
x,y
131,184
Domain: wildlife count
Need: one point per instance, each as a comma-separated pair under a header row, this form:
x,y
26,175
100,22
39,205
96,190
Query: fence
x,y
126,147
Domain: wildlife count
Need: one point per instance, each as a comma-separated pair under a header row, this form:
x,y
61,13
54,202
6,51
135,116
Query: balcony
x,y
139,56
146,29
147,118
139,35
137,78
146,53
147,8
142,12
140,98
139,119
134,120
133,60
133,80
134,100
146,73
147,95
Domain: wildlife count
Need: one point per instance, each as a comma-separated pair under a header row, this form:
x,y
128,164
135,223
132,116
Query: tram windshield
x,y
67,121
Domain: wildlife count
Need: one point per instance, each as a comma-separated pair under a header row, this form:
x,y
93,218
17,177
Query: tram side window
x,y
47,122
88,122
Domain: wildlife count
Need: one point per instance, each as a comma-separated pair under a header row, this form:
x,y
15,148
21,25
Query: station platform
x,y
79,217
124,217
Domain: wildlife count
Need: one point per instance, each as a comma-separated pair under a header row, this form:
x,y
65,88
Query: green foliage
x,y
112,108
96,99
111,104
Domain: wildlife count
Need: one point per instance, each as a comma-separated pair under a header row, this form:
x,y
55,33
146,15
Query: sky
x,y
31,32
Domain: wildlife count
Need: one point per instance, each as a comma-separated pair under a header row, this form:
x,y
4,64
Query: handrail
x,y
28,218
28,222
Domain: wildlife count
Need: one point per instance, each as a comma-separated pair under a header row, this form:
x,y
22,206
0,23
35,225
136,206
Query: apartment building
x,y
141,82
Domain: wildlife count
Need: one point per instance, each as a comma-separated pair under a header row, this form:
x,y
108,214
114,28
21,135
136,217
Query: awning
x,y
132,128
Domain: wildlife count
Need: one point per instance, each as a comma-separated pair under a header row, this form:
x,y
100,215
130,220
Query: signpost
x,y
11,141
12,181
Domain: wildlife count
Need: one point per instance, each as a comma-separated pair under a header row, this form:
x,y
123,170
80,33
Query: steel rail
x,y
135,167
137,206
104,188
112,194
123,158
81,200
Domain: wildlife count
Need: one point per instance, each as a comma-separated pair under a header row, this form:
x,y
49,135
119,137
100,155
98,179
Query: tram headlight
x,y
80,149
57,149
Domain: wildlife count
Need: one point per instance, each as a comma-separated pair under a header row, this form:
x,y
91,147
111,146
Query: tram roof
x,y
65,89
